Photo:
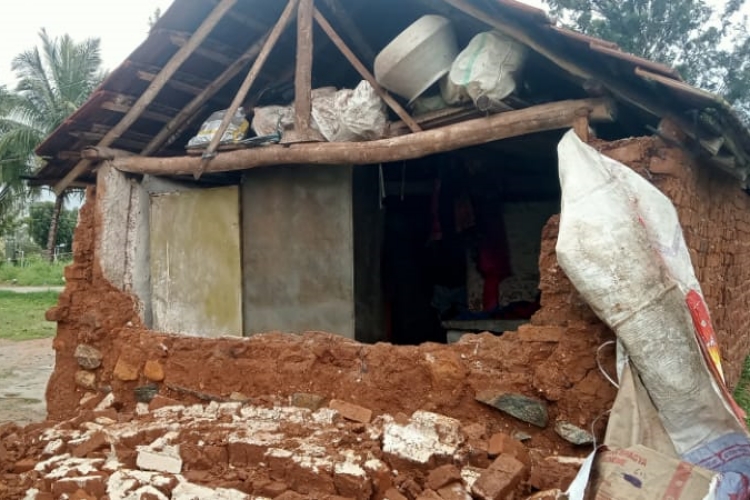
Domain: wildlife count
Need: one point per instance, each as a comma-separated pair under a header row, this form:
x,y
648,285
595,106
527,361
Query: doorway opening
x,y
458,238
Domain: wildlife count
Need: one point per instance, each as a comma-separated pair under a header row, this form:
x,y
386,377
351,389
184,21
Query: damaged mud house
x,y
261,172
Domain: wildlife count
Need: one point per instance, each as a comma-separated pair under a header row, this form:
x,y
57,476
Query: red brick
x,y
24,465
351,411
429,495
501,480
455,491
443,476
160,401
394,494
91,485
503,444
98,441
273,489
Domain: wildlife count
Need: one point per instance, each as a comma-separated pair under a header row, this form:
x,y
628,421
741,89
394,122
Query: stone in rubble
x,y
85,379
573,434
531,410
307,400
88,357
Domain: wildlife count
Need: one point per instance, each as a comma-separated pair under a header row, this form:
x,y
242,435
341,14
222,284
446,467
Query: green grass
x,y
742,392
35,272
22,315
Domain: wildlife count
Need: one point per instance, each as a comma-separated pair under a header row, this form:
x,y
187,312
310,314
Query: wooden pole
x,y
365,73
153,89
268,46
540,118
581,127
303,71
184,117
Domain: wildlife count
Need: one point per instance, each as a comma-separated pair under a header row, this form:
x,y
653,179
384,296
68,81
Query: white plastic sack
x,y
621,245
346,115
350,115
485,71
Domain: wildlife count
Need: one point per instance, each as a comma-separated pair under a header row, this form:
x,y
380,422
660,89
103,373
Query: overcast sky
x,y
121,26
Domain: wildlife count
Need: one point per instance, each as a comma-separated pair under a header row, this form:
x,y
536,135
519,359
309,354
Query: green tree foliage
x,y
53,81
708,44
40,220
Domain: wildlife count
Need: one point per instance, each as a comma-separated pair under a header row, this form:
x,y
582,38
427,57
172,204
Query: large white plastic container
x,y
418,57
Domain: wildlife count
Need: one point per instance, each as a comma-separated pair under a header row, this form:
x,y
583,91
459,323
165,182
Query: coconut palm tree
x,y
53,81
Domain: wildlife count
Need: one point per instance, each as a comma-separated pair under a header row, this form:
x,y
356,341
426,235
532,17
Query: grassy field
x,y
36,272
22,315
742,393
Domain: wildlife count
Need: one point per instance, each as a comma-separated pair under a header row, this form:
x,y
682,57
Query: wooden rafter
x,y
540,118
189,112
120,103
210,49
303,68
176,83
252,75
153,89
364,72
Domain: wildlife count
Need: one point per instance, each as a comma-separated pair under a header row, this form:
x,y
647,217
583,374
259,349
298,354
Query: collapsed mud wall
x,y
715,217
102,346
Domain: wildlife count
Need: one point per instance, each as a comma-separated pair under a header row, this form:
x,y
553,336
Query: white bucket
x,y
418,57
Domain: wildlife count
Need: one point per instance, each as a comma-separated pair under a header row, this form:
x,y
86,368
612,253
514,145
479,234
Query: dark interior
x,y
459,240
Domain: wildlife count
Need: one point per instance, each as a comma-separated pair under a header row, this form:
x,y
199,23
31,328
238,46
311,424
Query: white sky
x,y
121,26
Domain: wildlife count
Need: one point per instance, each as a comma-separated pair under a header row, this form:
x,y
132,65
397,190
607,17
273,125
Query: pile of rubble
x,y
266,448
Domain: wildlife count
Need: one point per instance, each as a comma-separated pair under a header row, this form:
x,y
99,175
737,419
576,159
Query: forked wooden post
x,y
252,75
303,71
581,126
365,73
153,89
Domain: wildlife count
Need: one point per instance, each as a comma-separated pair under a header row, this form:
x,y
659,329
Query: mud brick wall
x,y
553,358
102,348
715,217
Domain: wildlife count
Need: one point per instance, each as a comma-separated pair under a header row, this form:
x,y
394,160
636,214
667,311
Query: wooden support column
x,y
364,72
540,118
303,71
252,75
153,89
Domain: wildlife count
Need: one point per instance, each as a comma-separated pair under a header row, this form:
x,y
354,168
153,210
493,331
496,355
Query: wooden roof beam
x,y
121,103
303,69
210,49
153,89
252,75
540,118
185,117
248,21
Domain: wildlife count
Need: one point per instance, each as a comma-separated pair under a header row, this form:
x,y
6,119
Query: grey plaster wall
x,y
195,262
298,250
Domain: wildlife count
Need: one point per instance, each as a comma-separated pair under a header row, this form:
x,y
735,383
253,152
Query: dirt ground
x,y
25,368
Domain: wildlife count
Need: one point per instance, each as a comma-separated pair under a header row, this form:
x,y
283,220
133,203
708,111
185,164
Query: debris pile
x,y
270,449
